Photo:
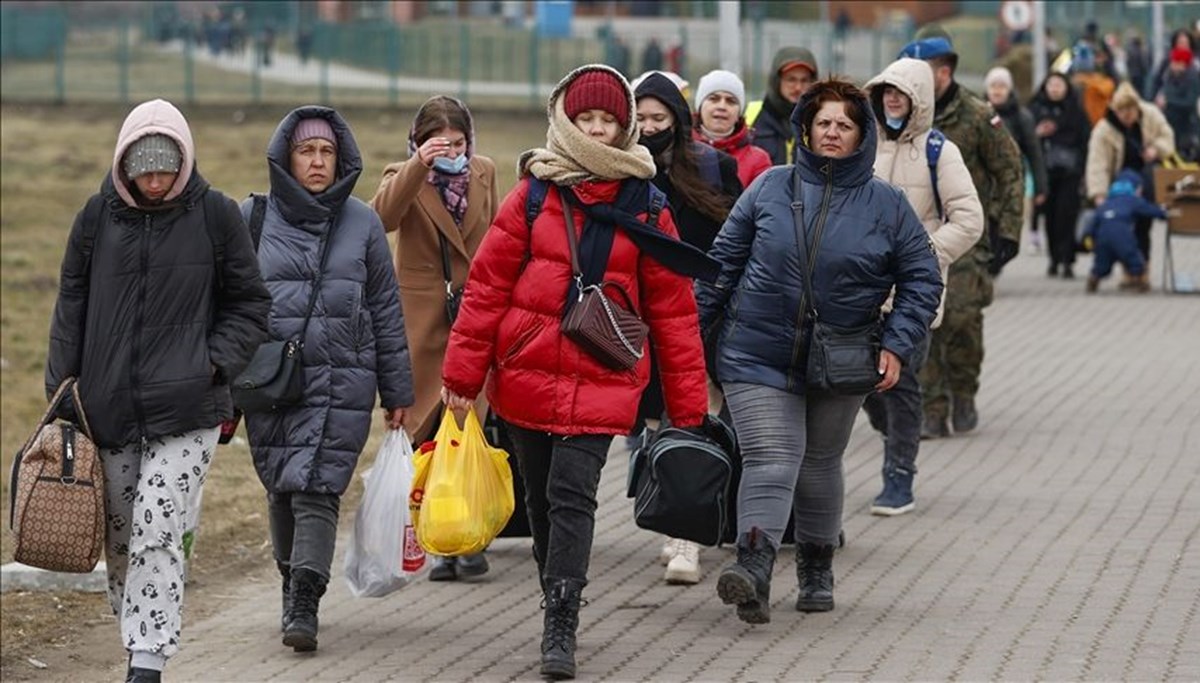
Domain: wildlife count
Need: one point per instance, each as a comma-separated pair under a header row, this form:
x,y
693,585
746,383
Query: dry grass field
x,y
51,160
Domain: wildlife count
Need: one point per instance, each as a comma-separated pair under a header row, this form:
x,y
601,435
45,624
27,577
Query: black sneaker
x,y
965,417
934,428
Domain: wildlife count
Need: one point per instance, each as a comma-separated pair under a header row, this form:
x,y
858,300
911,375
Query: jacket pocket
x,y
521,338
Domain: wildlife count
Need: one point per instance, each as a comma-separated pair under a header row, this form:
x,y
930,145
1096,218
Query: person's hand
x,y
889,370
1161,101
433,148
455,402
1006,250
1150,153
1046,128
1099,199
1040,199
394,417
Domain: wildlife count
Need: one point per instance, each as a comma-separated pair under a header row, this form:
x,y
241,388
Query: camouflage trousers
x,y
956,347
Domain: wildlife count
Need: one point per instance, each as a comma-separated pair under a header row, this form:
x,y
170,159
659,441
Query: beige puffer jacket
x,y
1106,147
902,163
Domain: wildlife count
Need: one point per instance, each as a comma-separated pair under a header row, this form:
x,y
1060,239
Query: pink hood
x,y
149,118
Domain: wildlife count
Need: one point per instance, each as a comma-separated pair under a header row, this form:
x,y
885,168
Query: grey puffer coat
x,y
355,342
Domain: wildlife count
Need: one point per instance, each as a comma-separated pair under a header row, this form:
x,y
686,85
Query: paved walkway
x,y
1058,542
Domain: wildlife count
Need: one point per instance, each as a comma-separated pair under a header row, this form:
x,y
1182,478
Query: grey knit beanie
x,y
150,154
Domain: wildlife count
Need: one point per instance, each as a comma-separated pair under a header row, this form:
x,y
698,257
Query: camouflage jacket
x,y
994,160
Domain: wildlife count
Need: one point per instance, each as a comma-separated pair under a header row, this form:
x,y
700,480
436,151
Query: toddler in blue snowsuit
x,y
1112,233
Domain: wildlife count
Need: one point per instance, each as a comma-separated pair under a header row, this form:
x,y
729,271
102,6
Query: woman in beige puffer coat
x,y
903,99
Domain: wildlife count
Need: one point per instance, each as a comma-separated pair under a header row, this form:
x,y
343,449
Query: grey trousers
x,y
792,448
304,529
152,496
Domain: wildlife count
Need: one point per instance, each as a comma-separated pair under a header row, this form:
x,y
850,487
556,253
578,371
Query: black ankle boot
x,y
561,621
814,571
747,583
964,416
139,675
307,589
285,570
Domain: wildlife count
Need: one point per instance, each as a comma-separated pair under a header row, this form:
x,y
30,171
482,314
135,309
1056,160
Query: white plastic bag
x,y
384,554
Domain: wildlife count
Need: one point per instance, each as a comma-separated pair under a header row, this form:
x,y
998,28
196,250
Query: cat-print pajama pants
x,y
153,495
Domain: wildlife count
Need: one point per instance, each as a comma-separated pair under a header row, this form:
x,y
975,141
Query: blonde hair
x,y
1125,97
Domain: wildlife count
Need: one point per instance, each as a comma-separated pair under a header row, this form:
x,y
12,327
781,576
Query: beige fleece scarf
x,y
571,156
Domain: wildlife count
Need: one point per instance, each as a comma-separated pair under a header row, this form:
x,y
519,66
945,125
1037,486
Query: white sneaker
x,y
668,551
684,567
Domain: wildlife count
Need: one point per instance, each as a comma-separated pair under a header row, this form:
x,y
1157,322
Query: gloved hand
x,y
1004,251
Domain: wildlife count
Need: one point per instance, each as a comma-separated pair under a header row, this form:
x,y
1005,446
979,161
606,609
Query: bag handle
x,y
68,384
446,274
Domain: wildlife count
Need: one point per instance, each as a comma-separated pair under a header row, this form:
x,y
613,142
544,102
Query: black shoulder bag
x,y
840,360
275,376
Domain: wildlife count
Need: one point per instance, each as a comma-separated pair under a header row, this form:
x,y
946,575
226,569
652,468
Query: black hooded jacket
x,y
145,320
1064,151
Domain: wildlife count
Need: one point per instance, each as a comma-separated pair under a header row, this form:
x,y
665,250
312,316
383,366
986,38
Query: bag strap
x,y
446,274
312,298
572,241
258,214
807,254
933,152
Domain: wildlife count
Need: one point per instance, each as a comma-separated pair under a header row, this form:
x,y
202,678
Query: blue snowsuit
x,y
1113,236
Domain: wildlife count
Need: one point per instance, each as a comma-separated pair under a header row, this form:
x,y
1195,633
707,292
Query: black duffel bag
x,y
682,481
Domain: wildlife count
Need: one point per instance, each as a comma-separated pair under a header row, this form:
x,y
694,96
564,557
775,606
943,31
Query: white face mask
x,y
453,166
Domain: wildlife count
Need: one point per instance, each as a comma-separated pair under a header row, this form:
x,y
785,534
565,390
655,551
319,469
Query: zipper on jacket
x,y
798,347
135,349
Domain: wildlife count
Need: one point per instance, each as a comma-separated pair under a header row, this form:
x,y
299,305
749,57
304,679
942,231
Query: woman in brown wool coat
x,y
441,201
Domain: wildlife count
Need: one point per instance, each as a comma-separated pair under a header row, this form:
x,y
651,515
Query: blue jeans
x,y
897,414
792,448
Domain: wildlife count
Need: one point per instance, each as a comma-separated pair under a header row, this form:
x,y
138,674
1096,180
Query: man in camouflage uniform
x,y
951,376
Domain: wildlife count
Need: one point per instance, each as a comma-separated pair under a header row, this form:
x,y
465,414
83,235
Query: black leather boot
x,y
475,564
563,597
814,572
747,583
285,570
964,416
307,589
139,675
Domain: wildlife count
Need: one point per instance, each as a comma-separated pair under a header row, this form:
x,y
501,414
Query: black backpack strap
x,y
657,201
534,199
258,213
93,215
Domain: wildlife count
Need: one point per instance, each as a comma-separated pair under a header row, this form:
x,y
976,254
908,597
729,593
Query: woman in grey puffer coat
x,y
355,344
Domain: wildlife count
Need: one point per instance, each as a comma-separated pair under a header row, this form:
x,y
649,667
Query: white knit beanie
x,y
998,75
721,81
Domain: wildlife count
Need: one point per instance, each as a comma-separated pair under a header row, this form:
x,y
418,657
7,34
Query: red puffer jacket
x,y
751,160
509,324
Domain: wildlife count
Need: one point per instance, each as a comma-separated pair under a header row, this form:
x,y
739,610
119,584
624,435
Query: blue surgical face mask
x,y
895,124
453,166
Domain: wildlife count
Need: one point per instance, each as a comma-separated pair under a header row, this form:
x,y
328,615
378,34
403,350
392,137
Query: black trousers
x,y
1062,214
562,475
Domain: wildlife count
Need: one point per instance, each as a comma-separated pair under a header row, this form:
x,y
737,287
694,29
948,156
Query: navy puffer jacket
x,y
355,343
871,241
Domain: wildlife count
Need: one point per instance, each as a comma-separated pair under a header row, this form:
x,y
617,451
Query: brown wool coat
x,y
409,204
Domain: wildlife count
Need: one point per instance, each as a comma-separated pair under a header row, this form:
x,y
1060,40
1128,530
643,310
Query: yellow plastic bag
x,y
462,493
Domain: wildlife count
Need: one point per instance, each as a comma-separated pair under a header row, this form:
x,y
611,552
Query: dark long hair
x,y
684,173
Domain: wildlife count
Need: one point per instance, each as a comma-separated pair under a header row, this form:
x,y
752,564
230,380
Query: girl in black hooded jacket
x,y
1063,128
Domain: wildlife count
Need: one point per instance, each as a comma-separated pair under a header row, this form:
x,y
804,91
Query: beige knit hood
x,y
571,156
150,118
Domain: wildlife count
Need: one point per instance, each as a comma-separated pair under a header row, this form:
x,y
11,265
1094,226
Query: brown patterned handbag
x,y
57,488
610,333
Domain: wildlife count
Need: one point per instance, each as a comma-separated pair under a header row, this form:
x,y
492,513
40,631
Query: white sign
x,y
1017,15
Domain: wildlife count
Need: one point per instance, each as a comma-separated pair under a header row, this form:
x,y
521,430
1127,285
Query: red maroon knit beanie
x,y
597,90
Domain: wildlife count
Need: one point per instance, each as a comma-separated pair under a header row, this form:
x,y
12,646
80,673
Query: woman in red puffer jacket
x,y
562,405
720,104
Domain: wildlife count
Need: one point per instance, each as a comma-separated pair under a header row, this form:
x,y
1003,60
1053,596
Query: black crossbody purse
x,y
275,376
840,360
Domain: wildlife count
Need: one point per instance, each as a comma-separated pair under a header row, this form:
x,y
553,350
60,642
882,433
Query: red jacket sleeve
x,y
670,310
487,297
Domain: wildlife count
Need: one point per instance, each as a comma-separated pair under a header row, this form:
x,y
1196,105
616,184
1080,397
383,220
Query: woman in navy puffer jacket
x,y
871,242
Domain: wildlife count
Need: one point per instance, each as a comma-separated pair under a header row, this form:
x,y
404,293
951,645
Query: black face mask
x,y
659,142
